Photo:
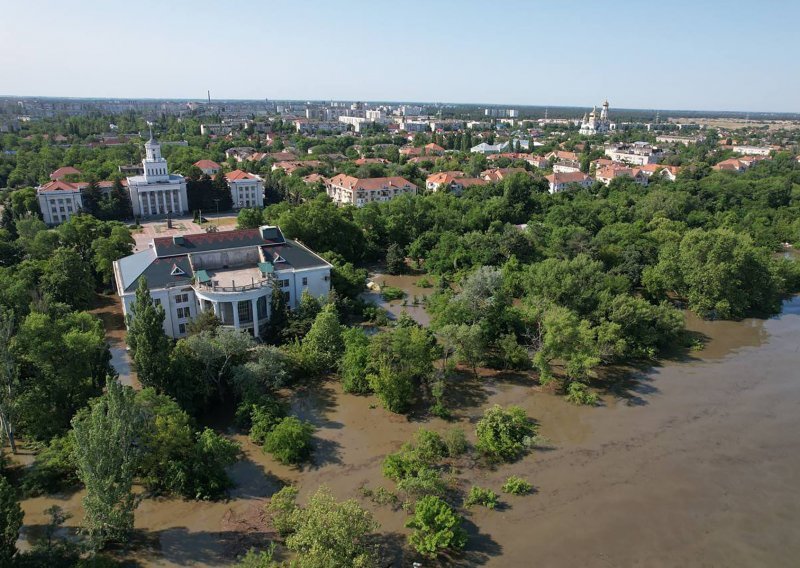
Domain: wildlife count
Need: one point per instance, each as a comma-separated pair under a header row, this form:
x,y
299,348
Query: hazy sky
x,y
700,54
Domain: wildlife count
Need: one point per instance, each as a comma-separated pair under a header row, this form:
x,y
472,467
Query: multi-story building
x,y
678,139
208,167
637,154
753,150
349,190
231,273
157,192
453,181
59,200
247,190
559,182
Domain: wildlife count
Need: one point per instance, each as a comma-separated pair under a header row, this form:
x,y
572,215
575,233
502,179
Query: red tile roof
x,y
369,184
207,164
65,171
238,174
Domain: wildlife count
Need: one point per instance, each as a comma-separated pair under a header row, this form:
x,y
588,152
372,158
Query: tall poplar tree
x,y
106,457
146,338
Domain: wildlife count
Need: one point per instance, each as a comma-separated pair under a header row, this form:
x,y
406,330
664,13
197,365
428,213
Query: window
x,y
181,328
184,313
286,297
181,298
305,281
156,302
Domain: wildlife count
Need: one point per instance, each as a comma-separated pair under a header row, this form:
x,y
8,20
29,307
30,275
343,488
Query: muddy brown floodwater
x,y
109,310
692,463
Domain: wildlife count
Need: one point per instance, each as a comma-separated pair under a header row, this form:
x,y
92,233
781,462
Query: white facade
x,y
58,205
637,154
239,294
247,190
752,150
157,192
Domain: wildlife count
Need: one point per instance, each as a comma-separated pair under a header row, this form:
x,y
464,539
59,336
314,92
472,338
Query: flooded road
x,y
412,303
109,310
693,463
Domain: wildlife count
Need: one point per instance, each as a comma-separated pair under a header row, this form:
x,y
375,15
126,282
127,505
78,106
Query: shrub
x,y
390,293
394,389
281,506
578,393
290,440
427,481
424,283
430,446
402,464
53,470
456,442
504,433
480,496
205,472
264,417
354,361
517,486
437,528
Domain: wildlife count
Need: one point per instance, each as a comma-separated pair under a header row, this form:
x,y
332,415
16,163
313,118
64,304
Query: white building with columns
x,y
157,192
232,273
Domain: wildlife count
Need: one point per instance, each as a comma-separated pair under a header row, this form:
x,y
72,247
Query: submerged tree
x,y
106,457
146,338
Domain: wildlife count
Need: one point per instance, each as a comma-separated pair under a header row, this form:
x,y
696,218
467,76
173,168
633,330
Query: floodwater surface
x,y
692,463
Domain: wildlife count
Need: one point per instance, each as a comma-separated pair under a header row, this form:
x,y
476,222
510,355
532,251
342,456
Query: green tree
x,y
9,380
10,522
355,360
218,353
108,249
147,340
68,279
323,343
395,390
330,534
249,218
63,361
106,456
469,344
395,259
290,440
504,433
436,528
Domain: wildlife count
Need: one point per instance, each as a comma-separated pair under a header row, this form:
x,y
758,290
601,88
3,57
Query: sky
x,y
700,54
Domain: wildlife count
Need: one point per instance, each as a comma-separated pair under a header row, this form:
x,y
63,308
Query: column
x,y
157,204
180,204
172,201
254,305
235,305
215,306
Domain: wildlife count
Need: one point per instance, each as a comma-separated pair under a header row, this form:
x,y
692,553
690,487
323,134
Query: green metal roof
x,y
266,267
202,276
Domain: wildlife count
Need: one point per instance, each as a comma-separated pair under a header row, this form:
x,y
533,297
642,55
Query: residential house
x,y
567,166
208,167
559,182
349,190
499,174
65,171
